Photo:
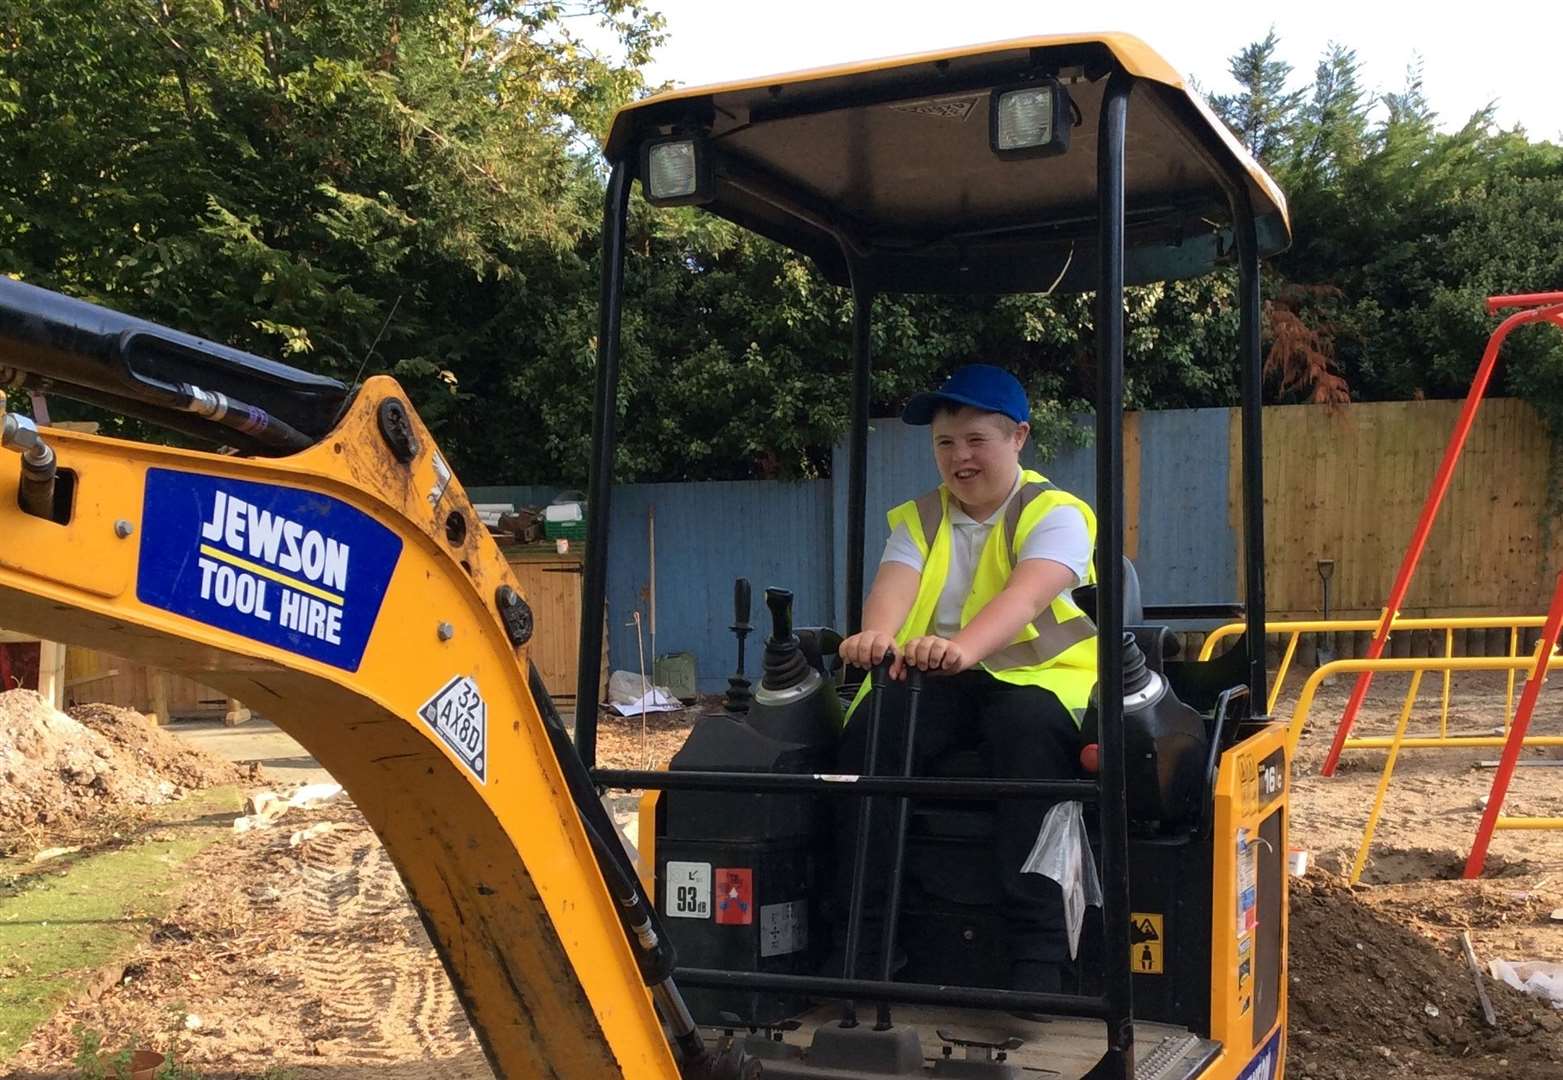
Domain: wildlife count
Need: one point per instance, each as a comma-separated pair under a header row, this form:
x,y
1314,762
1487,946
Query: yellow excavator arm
x,y
349,592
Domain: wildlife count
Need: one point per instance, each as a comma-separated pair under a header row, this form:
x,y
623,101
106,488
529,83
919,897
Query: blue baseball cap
x,y
982,386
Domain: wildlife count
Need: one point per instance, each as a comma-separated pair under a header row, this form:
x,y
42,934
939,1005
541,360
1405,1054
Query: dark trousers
x,y
1025,733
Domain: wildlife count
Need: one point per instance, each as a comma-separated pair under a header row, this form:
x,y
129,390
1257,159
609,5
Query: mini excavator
x,y
328,569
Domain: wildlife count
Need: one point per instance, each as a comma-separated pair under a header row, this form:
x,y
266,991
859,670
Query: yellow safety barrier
x,y
1529,823
1296,628
1418,667
1421,664
1383,781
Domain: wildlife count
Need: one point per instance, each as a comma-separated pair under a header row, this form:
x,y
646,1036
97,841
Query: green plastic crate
x,y
564,530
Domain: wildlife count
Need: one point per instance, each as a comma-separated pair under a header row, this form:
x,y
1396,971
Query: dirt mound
x,y
1372,996
140,739
59,774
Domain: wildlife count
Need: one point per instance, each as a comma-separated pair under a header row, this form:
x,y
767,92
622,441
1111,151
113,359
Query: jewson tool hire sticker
x,y
290,568
1263,1065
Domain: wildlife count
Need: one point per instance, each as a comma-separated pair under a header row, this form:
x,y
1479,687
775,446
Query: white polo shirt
x,y
1061,536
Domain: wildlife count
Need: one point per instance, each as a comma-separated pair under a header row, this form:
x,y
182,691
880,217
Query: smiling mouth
x,y
966,474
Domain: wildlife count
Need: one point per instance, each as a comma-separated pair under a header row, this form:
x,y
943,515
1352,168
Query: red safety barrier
x,y
1516,743
1496,304
1539,307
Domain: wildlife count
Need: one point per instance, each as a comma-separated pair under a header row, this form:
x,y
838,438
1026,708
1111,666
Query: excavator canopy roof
x,y
889,163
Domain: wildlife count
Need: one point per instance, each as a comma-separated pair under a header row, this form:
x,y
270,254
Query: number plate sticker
x,y
689,890
1272,778
459,716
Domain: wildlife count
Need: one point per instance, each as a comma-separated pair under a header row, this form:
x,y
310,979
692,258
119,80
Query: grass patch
x,y
93,1064
71,917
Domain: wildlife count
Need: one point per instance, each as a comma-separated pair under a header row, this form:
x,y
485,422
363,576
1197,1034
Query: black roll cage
x,y
1115,1005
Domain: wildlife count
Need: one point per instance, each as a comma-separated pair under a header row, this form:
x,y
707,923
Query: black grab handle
x,y
860,850
741,601
903,813
881,672
780,603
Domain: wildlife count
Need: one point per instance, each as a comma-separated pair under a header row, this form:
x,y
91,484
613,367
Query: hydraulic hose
x,y
654,954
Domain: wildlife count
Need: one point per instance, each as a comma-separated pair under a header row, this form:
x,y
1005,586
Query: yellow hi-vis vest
x,y
1057,650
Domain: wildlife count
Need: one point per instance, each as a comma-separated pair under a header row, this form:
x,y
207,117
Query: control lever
x,y
780,603
903,814
785,664
739,693
903,806
821,647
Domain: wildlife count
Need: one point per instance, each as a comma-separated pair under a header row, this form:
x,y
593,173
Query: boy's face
x,y
977,453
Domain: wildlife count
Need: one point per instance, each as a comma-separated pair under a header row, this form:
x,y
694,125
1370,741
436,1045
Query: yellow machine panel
x,y
1249,913
255,575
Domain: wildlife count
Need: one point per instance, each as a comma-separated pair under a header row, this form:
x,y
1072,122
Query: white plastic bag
x,y
1063,852
1542,979
631,695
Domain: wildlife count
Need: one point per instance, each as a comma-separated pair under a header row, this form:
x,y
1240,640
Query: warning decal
x,y
1245,975
734,896
784,928
1247,883
1146,937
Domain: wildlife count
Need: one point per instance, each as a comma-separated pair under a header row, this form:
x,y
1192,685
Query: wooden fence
x,y
1348,484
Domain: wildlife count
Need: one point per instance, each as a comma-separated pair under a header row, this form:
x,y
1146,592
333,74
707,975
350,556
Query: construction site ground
x,y
291,950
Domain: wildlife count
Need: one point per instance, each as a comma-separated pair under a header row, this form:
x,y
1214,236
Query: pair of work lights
x,y
1023,121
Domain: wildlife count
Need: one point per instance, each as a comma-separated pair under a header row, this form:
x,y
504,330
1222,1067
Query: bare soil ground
x,y
308,956
1379,985
628,742
302,955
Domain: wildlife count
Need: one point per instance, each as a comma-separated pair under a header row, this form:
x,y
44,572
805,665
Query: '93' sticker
x,y
688,890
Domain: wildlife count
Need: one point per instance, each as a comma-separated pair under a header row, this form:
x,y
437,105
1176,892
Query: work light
x,y
1029,121
676,171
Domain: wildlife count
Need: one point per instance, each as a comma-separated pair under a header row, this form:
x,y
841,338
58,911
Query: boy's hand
x,y
866,649
933,654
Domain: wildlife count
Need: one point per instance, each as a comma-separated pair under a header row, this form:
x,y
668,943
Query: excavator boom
x,y
348,591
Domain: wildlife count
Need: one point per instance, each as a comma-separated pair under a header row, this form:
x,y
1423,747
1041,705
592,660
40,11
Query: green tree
x,y
1263,112
1333,131
286,176
1410,114
283,176
735,355
1496,229
1400,232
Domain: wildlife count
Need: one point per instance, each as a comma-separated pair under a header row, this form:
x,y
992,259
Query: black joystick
x,y
785,664
739,694
1137,675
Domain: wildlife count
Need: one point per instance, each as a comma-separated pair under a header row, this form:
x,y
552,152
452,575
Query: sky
x,y
1500,51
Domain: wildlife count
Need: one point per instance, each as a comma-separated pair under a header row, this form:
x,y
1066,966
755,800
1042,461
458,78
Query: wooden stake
x,y
1476,976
